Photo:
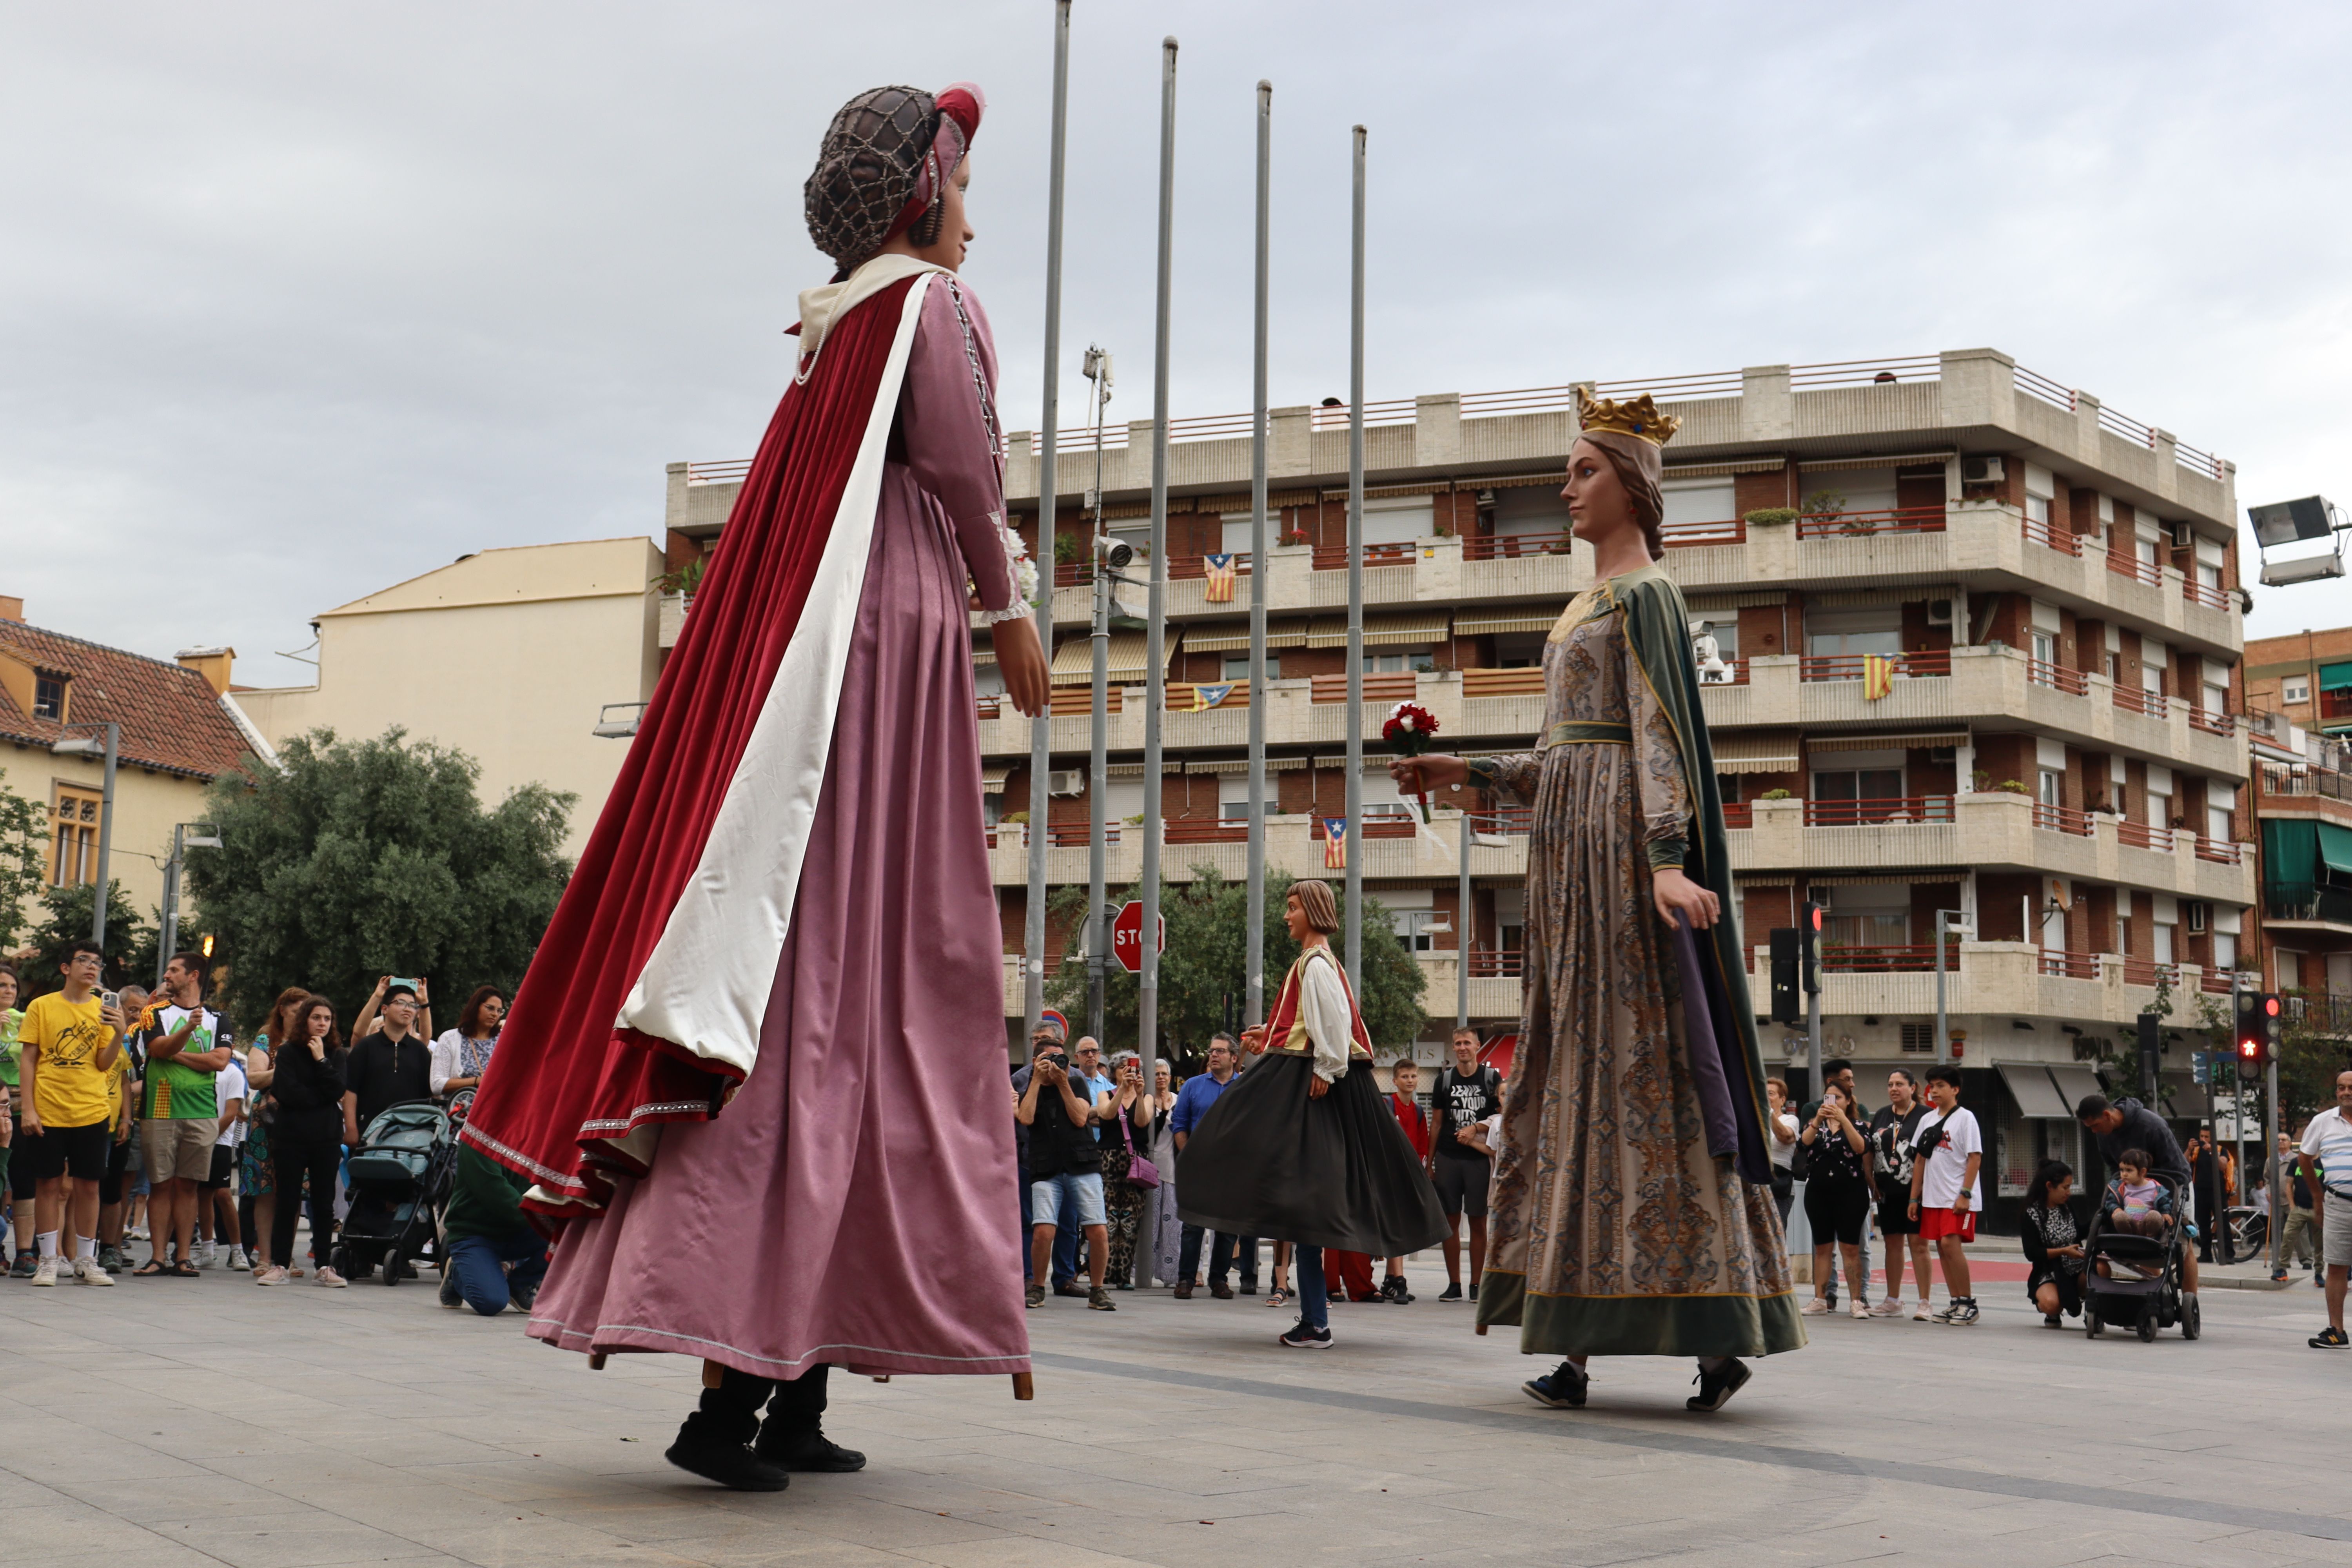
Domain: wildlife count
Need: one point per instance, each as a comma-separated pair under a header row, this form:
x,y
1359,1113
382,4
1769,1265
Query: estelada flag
x,y
1209,696
1222,578
1877,676
1335,844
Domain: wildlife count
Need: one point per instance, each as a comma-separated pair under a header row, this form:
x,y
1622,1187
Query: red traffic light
x,y
1813,913
2270,1006
2250,1049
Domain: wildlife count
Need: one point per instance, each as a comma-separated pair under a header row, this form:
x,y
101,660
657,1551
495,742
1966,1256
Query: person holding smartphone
x,y
1837,1197
306,1139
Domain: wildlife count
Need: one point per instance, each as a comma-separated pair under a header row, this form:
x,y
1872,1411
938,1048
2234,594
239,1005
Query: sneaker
x,y
270,1276
2330,1338
1036,1297
1070,1288
1099,1300
138,1232
449,1297
87,1271
1473,1291
1453,1291
1960,1314
110,1257
45,1272
204,1250
1716,1388
804,1449
1249,1287
1889,1307
1818,1307
2051,1320
1563,1387
26,1262
331,1279
1302,1338
1392,1289
1920,1314
732,1465
1860,1308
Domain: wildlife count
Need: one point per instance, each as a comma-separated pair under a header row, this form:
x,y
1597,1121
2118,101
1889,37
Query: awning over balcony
x,y
1384,631
1756,752
1238,767
1233,637
2299,850
992,780
2074,1083
1074,661
1538,618
2028,1085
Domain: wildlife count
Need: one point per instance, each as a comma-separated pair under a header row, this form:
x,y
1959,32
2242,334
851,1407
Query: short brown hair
x,y
1315,901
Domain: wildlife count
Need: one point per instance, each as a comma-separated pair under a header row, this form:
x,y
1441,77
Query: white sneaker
x,y
87,1271
331,1279
1920,1314
1859,1309
203,1254
47,1274
1889,1307
1814,1307
138,1232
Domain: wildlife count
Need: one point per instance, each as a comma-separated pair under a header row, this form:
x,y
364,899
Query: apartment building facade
x,y
1980,651
2299,703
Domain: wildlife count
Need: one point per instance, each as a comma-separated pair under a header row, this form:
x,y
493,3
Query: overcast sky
x,y
297,302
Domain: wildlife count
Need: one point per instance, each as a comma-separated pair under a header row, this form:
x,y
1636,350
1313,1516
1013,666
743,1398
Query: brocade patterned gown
x,y
1613,1230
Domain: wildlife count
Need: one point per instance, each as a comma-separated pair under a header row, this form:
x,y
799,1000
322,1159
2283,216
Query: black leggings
x,y
292,1161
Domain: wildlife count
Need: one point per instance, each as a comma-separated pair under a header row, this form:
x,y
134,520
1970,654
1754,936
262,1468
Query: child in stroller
x,y
2137,1255
2136,1205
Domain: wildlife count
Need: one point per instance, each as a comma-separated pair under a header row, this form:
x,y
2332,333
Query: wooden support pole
x,y
713,1373
1023,1387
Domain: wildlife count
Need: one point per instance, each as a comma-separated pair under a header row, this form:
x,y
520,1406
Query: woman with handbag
x,y
1128,1174
1162,1235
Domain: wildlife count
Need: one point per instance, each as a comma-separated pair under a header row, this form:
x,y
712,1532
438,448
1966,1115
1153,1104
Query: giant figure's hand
x,y
1677,894
1022,663
1419,775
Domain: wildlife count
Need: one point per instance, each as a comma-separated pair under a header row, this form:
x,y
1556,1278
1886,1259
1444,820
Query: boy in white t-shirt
x,y
1944,1192
216,1194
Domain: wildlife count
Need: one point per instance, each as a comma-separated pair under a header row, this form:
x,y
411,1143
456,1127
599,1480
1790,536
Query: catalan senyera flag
x,y
1877,676
1335,844
1222,578
1206,697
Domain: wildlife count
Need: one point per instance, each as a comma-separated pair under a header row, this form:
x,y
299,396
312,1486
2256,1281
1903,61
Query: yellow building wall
x,y
146,804
507,656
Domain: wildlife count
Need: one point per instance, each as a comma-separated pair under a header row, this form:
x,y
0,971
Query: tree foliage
x,y
1204,973
359,859
130,939
24,861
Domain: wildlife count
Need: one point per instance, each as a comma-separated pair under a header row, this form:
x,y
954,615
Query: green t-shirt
x,y
173,1092
11,1048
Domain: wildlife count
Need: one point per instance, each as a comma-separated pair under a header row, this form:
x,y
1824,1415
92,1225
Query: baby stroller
x,y
400,1177
2127,1296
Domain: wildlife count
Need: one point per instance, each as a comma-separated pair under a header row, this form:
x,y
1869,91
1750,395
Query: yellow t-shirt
x,y
71,1090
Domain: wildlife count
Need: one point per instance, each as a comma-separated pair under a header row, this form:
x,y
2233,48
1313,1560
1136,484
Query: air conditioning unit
x,y
2182,538
1065,780
1939,612
2197,913
1987,470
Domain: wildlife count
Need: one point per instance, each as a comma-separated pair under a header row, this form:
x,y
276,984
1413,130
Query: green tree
x,y
1204,973
130,939
24,861
358,858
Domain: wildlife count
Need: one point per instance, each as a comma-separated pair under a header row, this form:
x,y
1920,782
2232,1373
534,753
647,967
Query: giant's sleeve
x,y
1323,1004
1512,773
946,443
1658,762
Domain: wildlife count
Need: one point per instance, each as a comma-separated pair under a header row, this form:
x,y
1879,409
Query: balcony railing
x,y
1739,814
2066,964
1183,695
2133,567
2329,1013
2042,672
1849,666
1486,962
2214,981
2062,819
1334,557
1372,826
2155,704
2221,851
2212,722
1691,535
2308,901
1525,681
2141,835
2297,779
1917,959
2198,593
1512,546
2148,972
1856,524
1892,809
1392,687
2050,536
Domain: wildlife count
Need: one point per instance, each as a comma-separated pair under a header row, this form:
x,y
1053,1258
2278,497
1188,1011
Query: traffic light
x,y
2273,1012
2257,1038
1809,937
1786,1008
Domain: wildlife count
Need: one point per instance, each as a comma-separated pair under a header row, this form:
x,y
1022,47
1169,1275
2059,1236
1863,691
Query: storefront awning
x,y
2074,1083
1756,752
1074,661
2037,1098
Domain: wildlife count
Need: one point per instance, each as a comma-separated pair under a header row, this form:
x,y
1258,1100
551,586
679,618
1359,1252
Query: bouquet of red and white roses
x,y
1409,732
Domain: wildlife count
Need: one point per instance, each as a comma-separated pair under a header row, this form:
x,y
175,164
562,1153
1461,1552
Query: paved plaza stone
x,y
206,1422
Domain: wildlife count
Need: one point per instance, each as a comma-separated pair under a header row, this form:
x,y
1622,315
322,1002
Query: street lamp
x,y
618,721
89,745
204,836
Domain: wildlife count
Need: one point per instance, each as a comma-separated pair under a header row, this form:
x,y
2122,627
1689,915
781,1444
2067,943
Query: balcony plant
x,y
1772,517
685,580
2011,787
1776,795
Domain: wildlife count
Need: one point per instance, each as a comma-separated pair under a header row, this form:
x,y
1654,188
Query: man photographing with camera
x,y
1065,1168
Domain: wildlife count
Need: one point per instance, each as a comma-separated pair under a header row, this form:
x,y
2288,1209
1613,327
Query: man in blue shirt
x,y
1192,1103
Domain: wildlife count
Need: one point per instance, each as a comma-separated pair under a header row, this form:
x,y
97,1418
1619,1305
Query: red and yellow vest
x,y
1285,1031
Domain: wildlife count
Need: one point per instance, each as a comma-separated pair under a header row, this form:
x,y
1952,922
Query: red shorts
x,y
1937,1223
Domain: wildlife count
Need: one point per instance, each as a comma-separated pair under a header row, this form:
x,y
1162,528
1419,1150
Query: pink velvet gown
x,y
855,1202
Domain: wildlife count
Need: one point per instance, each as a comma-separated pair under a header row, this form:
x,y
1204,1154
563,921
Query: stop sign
x,y
1126,936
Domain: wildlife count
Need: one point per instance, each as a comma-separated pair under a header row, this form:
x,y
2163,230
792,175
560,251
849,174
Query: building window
x,y
1860,783
49,697
1419,659
1918,1039
2116,667
2296,690
1417,929
2225,952
2053,788
1237,667
73,857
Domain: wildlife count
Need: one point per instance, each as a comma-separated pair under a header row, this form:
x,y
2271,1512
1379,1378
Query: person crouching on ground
x,y
2053,1245
1300,1148
488,1238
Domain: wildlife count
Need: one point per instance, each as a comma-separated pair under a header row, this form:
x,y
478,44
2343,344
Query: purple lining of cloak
x,y
1707,1067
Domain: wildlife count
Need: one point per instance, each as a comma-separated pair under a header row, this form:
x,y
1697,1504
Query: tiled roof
x,y
171,719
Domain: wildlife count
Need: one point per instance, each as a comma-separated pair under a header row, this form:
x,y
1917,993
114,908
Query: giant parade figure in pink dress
x,y
744,1073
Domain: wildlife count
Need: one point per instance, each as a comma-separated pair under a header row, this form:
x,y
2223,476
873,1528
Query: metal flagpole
x,y
1461,927
1041,728
1254,1009
1155,698
1355,913
1098,367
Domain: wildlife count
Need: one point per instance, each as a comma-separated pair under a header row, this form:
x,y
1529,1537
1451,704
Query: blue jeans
x,y
1314,1295
474,1263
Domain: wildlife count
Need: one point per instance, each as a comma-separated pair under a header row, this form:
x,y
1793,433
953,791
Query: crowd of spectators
x,y
137,1117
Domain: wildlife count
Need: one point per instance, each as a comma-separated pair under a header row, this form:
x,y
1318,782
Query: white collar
x,y
827,303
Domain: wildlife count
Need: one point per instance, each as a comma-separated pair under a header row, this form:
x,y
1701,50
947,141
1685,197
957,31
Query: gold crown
x,y
1636,417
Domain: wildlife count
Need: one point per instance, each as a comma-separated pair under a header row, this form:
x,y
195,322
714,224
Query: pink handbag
x,y
1140,1171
